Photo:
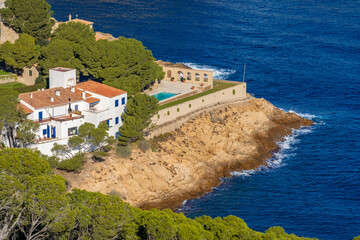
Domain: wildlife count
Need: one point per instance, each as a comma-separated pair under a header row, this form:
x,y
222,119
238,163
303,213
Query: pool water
x,y
164,95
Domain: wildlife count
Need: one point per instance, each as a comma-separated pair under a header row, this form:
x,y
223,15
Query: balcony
x,y
72,116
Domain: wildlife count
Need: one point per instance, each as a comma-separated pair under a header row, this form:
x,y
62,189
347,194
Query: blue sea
x,y
301,55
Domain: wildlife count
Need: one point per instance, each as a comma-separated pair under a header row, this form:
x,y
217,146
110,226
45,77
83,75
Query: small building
x,y
180,72
30,74
66,105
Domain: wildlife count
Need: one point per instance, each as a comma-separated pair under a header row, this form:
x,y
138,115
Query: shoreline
x,y
191,161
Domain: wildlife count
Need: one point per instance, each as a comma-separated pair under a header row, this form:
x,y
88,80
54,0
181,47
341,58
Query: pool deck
x,y
177,88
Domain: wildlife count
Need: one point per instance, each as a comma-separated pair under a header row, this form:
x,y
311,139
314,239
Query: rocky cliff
x,y
192,159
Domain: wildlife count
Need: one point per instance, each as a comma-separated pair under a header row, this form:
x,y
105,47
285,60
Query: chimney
x,y
52,99
31,95
57,92
72,89
83,94
69,17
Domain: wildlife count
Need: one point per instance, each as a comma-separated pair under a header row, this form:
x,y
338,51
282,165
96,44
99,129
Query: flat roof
x,y
61,69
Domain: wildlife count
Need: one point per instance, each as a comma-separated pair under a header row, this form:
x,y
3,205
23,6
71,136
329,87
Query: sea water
x,y
303,56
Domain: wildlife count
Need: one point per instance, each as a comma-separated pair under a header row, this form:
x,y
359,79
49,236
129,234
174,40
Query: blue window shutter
x,y
48,131
123,101
44,131
40,115
116,120
116,103
54,132
108,122
76,107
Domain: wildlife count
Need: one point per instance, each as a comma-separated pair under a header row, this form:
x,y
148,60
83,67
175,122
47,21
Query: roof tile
x,y
100,89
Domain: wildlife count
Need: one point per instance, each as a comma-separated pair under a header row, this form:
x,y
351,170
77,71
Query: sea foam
x,y
285,151
219,73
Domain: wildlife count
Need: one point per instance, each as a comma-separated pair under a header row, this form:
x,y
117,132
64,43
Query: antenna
x,y
244,72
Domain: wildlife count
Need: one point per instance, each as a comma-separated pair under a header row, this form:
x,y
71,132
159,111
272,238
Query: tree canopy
x,y
18,131
32,17
139,110
123,63
23,53
35,204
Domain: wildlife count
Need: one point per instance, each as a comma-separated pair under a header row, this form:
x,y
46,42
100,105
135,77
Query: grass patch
x,y
219,86
12,85
4,73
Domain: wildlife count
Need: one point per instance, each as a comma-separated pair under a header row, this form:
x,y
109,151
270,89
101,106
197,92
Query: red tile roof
x,y
24,108
41,99
100,89
92,100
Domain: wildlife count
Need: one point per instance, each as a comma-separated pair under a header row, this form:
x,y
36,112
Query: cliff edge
x,y
192,159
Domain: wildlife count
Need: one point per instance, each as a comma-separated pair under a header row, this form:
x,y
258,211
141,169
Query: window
x,y
72,131
123,101
40,116
108,122
76,107
206,78
117,120
197,77
44,131
116,103
30,73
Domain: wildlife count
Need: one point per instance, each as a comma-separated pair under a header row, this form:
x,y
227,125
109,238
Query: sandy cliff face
x,y
193,159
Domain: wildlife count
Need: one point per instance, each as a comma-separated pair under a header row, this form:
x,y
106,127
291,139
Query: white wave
x,y
285,151
304,115
245,173
219,73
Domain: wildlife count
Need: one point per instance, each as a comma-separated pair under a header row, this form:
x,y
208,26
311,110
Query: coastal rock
x,y
193,158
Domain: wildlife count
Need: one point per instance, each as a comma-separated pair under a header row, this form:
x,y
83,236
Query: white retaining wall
x,y
171,118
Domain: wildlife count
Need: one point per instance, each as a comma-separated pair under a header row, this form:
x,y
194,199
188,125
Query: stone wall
x,y
171,118
7,78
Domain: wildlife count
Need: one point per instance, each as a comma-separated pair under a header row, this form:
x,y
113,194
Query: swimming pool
x,y
164,95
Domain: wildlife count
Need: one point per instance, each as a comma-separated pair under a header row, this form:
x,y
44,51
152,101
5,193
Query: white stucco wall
x,y
62,78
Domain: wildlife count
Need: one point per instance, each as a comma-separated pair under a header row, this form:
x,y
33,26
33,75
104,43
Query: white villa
x,y
66,105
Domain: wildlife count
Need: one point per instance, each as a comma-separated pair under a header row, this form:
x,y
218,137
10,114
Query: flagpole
x,y
244,72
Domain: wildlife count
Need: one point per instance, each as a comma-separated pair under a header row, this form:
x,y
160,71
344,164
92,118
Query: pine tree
x,y
29,16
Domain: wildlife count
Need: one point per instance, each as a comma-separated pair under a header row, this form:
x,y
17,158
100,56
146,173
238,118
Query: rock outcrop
x,y
193,158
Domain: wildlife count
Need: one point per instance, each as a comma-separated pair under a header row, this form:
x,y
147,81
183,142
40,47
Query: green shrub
x,y
123,151
74,164
144,145
40,80
31,88
53,161
99,155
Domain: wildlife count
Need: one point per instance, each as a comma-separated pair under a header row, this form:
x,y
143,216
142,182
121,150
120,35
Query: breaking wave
x,y
304,115
219,73
285,151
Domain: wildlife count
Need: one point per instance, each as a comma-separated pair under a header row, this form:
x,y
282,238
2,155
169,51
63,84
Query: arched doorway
x,y
181,75
189,76
197,77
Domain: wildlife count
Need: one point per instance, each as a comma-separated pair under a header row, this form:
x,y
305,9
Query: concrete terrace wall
x,y
170,119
